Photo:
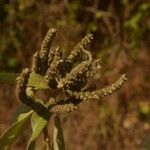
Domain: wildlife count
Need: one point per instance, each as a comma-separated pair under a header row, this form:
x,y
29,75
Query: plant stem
x,y
47,139
58,139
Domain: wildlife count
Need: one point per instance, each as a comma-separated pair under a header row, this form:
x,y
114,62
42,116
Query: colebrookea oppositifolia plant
x,y
66,80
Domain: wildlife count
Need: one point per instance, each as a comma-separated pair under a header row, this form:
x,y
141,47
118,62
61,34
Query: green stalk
x,y
47,139
58,139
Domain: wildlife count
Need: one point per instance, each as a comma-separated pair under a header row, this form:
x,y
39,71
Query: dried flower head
x,y
65,77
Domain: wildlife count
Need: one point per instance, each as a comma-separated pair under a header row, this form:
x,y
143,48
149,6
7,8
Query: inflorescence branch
x,y
66,76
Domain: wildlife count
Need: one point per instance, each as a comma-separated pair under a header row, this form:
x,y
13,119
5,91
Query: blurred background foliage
x,y
121,39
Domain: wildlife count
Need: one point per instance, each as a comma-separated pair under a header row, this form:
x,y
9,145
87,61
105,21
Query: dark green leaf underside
x,y
14,130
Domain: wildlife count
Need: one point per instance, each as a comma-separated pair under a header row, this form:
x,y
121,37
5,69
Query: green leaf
x,y
14,130
37,81
38,123
20,110
58,139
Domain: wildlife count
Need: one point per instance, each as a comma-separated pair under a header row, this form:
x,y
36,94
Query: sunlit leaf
x,y
37,123
14,130
58,139
37,81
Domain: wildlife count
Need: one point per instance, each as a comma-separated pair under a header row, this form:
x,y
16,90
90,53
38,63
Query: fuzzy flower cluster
x,y
66,77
